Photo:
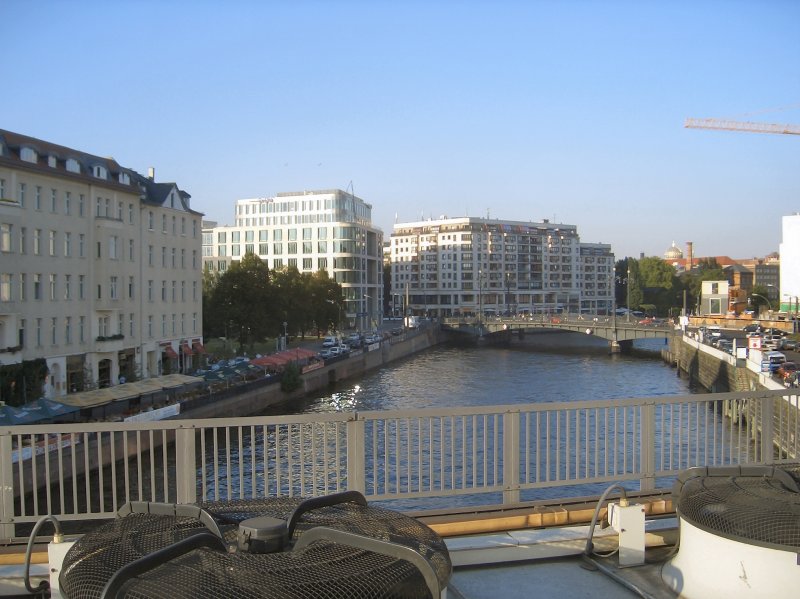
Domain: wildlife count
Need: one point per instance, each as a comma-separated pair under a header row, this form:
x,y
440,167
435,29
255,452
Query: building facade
x,y
101,268
328,230
468,266
790,265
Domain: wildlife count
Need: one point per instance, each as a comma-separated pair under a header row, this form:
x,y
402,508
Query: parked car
x,y
752,328
789,344
330,341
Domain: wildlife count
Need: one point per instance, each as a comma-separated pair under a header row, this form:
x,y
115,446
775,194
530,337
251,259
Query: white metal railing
x,y
492,454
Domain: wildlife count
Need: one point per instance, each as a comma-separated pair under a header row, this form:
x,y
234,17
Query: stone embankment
x,y
713,369
254,400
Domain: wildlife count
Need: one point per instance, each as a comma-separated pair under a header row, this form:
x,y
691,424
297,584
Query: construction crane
x,y
726,125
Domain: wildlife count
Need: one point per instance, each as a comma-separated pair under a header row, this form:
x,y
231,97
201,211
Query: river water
x,y
464,376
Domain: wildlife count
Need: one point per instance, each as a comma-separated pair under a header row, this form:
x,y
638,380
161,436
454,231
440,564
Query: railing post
x,y
511,457
356,464
767,431
185,464
6,486
648,447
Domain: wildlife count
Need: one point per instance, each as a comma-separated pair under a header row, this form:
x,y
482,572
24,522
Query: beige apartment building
x,y
100,268
467,265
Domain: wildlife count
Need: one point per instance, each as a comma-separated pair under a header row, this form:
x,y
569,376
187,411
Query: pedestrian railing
x,y
459,456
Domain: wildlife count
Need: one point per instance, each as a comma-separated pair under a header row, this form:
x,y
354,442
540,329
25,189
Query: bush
x,y
291,378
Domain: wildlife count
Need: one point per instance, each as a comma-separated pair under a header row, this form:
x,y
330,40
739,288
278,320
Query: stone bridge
x,y
617,330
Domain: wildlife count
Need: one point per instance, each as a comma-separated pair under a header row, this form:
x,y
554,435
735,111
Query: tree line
x,y
655,287
250,303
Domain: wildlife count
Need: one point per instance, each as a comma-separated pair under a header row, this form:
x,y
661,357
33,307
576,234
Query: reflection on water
x,y
471,376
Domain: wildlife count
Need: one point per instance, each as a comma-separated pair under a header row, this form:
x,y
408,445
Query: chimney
x,y
689,255
151,173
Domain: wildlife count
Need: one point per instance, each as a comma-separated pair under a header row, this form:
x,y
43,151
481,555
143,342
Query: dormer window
x,y
51,161
28,155
124,178
73,166
99,171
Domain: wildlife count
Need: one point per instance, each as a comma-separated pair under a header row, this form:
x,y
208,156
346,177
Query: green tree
x,y
758,298
241,302
328,302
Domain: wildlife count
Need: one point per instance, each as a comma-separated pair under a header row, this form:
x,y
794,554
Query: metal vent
x,y
354,550
758,505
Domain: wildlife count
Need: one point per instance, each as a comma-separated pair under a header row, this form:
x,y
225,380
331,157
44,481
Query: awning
x,y
176,380
198,348
187,351
88,399
170,352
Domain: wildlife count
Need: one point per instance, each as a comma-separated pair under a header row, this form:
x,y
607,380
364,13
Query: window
x,y
173,292
81,245
714,287
81,205
131,250
183,291
150,326
99,291
53,325
150,290
183,225
73,166
131,324
113,288
5,287
113,251
53,287
163,223
5,237
163,291
194,291
53,201
37,204
37,287
183,258
194,259
130,214
67,287
163,257
23,287
130,287
52,243
21,194
150,220
99,171
68,330
28,155
102,326
81,329
222,237
173,257
150,255
38,332
125,178
174,228
81,286
51,161
2,189
68,244
23,240
307,264
120,208
37,242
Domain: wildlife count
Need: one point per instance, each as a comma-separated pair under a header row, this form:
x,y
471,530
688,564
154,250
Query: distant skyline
x,y
522,110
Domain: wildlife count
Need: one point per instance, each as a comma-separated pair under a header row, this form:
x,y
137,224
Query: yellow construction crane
x,y
726,125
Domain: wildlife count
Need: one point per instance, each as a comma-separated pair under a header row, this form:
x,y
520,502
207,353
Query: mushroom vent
x,y
327,547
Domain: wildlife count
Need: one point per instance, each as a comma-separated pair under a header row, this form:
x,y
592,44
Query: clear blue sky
x,y
571,111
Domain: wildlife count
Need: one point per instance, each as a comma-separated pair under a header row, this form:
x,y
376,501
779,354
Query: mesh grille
x,y
758,510
323,569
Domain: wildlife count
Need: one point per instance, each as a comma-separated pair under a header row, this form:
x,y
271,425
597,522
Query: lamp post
x,y
480,297
508,294
769,305
628,292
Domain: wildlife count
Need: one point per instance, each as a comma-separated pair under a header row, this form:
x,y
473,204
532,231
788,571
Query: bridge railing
x,y
411,459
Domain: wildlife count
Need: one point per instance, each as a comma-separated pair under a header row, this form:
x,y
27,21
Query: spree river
x,y
482,376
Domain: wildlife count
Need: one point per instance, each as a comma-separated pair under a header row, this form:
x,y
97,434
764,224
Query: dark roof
x,y
149,191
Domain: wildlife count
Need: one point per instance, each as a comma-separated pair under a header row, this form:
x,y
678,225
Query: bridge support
x,y
615,346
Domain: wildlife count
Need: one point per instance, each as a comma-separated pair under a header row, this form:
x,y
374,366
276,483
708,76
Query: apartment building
x,y
467,265
100,268
327,230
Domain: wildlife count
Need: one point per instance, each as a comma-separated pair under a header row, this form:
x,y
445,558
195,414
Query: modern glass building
x,y
327,230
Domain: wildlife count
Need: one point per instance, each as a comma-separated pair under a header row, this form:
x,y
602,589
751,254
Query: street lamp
x,y
480,296
769,305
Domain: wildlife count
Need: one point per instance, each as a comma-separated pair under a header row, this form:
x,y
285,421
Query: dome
x,y
673,253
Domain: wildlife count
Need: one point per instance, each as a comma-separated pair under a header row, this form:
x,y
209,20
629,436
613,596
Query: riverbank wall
x,y
709,367
255,399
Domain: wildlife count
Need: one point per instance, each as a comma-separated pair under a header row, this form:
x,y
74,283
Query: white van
x,y
330,341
